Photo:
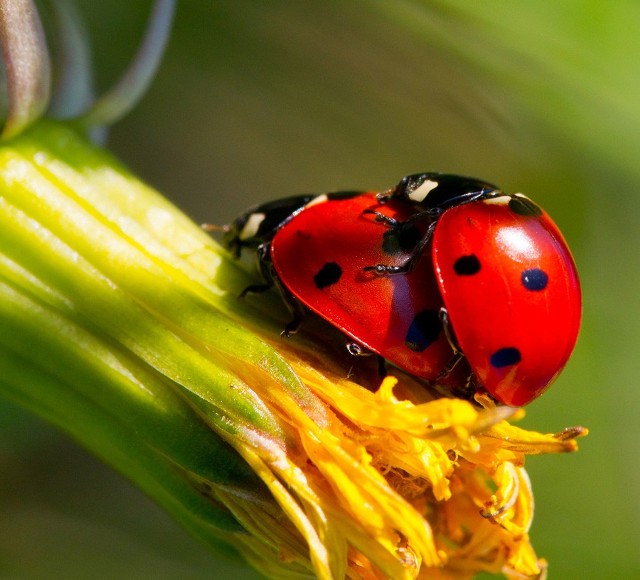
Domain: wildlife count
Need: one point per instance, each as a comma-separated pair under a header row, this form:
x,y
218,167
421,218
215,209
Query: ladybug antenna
x,y
215,228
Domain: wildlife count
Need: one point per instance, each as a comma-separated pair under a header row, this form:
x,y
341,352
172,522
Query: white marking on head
x,y
318,199
252,226
422,191
522,195
498,200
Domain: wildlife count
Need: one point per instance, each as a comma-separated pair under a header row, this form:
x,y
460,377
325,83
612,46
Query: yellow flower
x,y
409,490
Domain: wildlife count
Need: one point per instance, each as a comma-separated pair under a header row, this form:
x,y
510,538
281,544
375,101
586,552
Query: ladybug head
x,y
416,187
440,190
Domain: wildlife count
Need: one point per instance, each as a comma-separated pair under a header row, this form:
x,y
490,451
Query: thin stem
x,y
73,91
134,82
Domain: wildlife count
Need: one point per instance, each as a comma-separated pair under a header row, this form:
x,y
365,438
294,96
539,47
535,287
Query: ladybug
x,y
438,270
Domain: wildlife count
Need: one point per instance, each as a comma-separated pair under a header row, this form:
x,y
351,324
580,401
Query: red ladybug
x,y
439,268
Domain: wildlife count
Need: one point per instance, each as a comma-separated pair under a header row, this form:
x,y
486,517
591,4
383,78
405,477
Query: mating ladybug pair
x,y
440,272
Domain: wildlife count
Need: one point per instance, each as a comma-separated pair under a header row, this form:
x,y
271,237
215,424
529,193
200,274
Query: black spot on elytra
x,y
505,357
467,265
524,206
423,330
328,275
534,279
400,240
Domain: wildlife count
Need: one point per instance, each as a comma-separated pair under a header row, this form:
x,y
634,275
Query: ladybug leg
x,y
419,249
296,309
356,349
407,266
384,219
453,343
382,269
430,214
452,364
448,331
266,271
270,280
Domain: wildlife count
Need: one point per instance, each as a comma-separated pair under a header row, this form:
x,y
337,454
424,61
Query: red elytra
x,y
320,256
511,289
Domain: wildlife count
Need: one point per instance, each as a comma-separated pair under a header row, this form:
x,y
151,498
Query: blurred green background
x,y
257,100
